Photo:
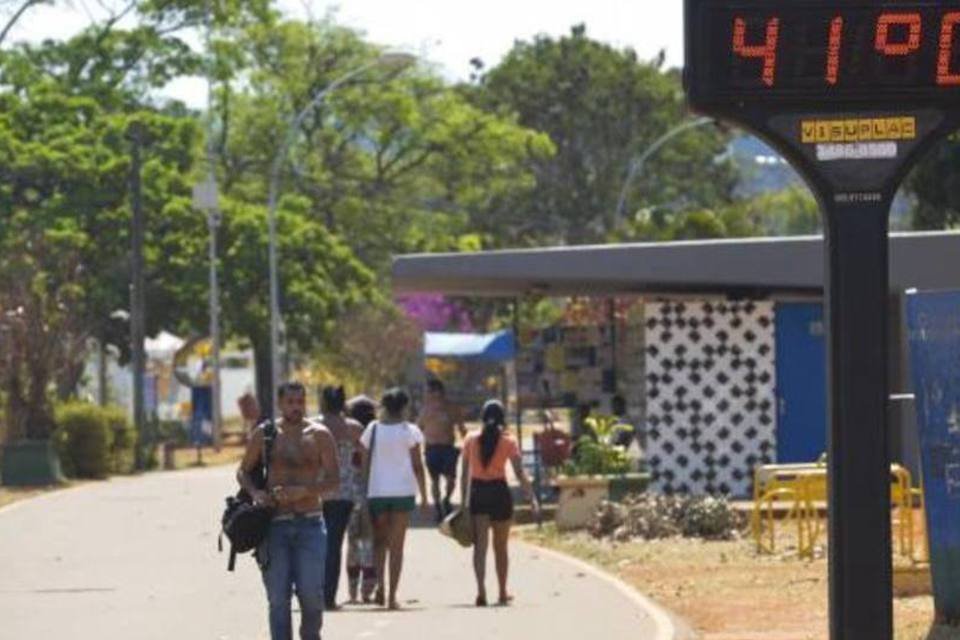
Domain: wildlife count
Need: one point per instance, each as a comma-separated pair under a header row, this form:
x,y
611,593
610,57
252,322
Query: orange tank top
x,y
507,448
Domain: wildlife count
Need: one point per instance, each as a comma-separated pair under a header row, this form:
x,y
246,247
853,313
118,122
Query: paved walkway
x,y
136,559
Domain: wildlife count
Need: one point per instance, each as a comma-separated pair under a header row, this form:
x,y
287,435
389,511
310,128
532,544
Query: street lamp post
x,y
387,60
636,167
207,199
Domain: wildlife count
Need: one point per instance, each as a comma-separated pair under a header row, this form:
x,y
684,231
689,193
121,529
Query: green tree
x,y
789,212
320,280
63,174
601,107
392,161
935,182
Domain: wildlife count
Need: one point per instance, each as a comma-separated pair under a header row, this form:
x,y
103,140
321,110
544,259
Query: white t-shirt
x,y
391,469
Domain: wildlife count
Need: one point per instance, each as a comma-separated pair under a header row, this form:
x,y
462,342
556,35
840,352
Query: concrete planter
x,y
30,463
581,495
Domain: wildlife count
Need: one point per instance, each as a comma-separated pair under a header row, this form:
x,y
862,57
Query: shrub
x,y
94,441
123,445
595,452
174,431
651,517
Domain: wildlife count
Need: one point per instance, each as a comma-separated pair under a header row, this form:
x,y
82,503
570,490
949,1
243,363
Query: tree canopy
x,y
602,108
385,160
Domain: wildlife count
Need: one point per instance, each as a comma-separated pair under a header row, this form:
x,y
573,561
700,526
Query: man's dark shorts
x,y
442,459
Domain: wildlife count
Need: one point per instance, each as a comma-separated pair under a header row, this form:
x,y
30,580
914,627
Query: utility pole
x,y
102,396
213,220
137,293
208,199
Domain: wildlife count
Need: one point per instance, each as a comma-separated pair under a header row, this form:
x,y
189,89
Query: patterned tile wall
x,y
711,410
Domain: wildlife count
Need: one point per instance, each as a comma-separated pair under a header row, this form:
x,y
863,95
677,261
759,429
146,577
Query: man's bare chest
x,y
295,451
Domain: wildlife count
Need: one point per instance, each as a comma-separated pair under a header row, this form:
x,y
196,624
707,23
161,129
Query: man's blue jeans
x,y
295,555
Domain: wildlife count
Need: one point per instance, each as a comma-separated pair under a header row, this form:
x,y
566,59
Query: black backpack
x,y
245,524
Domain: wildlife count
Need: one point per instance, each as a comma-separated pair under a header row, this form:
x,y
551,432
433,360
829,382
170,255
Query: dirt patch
x,y
726,591
10,495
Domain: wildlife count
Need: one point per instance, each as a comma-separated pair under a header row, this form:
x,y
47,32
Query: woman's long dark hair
x,y
494,419
333,399
394,401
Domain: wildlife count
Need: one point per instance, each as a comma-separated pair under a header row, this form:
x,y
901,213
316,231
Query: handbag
x,y
459,526
459,523
244,523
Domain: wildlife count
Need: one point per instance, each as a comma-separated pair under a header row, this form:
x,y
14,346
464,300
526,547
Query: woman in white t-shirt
x,y
396,475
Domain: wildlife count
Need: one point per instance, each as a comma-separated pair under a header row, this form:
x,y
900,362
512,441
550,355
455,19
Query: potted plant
x,y
599,470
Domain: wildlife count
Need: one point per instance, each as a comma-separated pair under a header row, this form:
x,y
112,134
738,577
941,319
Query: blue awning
x,y
494,347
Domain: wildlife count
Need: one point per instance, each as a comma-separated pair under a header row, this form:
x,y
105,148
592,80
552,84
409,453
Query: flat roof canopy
x,y
490,347
749,266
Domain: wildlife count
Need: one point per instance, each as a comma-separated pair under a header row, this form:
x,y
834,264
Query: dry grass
x,y
9,495
726,591
184,458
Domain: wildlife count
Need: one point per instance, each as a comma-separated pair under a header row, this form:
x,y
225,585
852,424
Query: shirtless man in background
x,y
440,420
303,466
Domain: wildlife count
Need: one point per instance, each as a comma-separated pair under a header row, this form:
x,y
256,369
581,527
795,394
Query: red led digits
x,y
843,52
911,20
947,31
833,50
767,50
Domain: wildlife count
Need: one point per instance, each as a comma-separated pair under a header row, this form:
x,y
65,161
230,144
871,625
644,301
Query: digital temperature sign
x,y
823,52
852,93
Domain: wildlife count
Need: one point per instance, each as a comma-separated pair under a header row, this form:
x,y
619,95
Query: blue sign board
x,y
201,417
933,321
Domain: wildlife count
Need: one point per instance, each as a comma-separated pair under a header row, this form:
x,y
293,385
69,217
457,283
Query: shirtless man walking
x,y
440,420
303,466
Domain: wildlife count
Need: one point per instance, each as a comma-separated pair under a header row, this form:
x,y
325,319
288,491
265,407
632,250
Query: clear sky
x,y
447,33
451,32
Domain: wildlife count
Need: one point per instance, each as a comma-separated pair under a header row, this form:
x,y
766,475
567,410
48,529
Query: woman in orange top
x,y
484,480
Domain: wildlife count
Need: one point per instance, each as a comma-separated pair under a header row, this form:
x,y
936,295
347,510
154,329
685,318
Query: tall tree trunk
x,y
16,413
39,414
68,380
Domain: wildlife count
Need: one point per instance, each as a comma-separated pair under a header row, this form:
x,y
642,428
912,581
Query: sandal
x,y
481,601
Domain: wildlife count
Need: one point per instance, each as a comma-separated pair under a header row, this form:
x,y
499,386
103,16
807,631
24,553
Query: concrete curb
x,y
661,620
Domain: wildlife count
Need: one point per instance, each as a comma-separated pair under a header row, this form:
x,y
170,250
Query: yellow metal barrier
x,y
804,487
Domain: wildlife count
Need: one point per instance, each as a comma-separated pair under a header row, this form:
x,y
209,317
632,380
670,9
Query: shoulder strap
x,y
369,463
269,436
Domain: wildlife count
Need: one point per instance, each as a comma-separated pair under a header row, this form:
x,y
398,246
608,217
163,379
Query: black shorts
x,y
491,498
442,459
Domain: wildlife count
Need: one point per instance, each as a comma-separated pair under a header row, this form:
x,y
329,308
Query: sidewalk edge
x,y
86,484
665,629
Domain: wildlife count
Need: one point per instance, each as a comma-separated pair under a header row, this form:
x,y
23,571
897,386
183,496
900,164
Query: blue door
x,y
801,382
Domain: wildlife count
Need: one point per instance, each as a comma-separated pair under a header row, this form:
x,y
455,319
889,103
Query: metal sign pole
x,y
859,469
852,92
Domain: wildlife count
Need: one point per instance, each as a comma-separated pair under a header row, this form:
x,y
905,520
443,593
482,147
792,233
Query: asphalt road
x,y
136,559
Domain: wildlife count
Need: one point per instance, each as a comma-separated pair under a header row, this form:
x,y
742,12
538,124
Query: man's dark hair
x,y
288,388
395,401
333,399
362,409
436,386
